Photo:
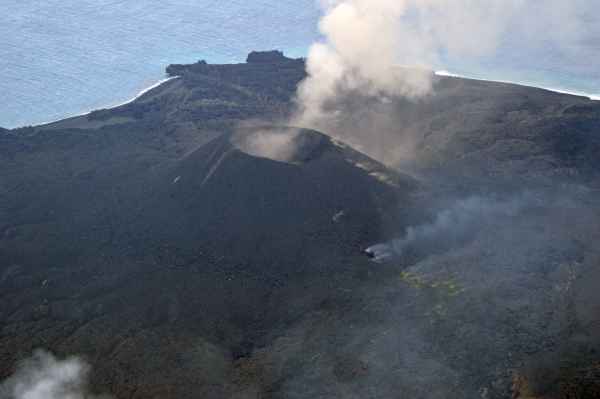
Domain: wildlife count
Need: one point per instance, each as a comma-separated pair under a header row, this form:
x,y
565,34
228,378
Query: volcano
x,y
190,244
207,255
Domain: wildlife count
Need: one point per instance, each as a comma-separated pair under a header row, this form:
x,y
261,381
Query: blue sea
x,y
60,58
63,57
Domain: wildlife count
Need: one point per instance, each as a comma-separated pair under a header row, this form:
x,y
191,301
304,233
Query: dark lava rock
x,y
266,57
132,254
186,256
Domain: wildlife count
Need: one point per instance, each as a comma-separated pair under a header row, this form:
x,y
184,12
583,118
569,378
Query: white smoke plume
x,y
277,145
359,53
366,41
43,376
451,226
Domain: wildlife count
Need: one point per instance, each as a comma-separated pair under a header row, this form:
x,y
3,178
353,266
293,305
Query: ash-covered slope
x,y
164,276
471,128
477,129
186,256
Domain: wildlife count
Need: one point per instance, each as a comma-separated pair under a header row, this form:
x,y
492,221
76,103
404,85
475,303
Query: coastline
x,y
443,73
143,91
592,97
138,95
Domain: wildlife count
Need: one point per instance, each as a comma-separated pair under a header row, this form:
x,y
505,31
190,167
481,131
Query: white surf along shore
x,y
138,95
593,97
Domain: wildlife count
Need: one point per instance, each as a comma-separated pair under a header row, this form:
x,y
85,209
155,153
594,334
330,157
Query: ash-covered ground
x,y
191,244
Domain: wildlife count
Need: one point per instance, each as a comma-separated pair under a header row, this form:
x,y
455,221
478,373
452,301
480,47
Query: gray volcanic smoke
x,y
451,227
366,41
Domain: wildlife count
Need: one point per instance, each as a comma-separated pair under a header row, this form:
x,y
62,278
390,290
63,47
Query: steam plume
x,y
43,376
365,42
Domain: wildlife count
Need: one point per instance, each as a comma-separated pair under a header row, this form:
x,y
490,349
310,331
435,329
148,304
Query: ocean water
x,y
60,58
573,71
63,57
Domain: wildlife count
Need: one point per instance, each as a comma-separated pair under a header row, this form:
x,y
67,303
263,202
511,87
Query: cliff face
x,y
186,252
271,57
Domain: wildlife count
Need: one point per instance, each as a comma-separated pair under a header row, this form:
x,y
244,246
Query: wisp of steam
x,y
450,227
274,144
43,376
